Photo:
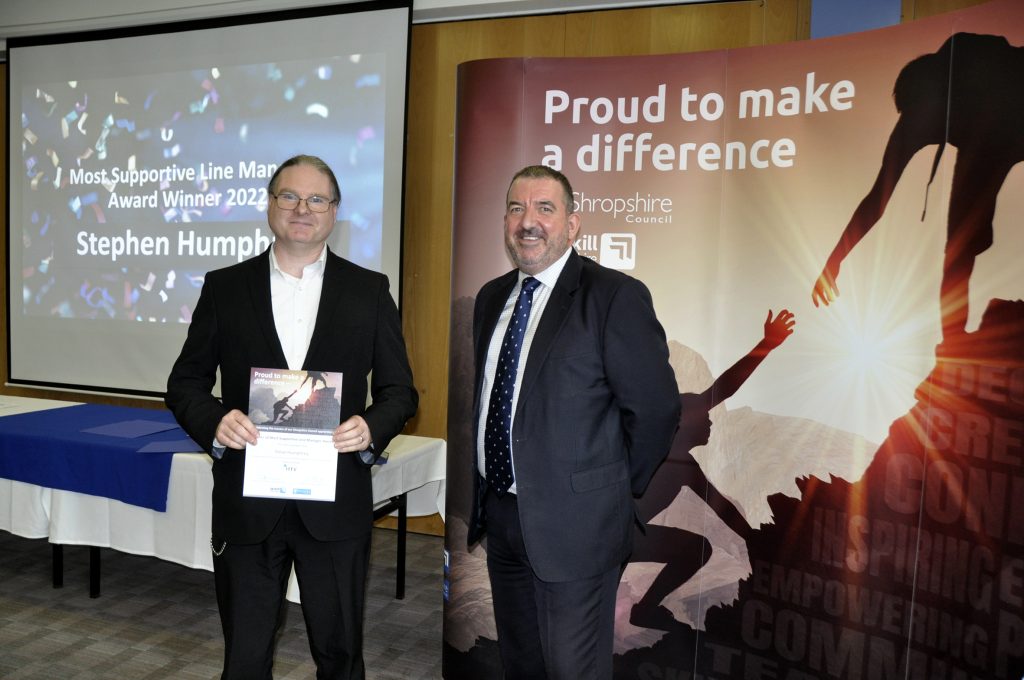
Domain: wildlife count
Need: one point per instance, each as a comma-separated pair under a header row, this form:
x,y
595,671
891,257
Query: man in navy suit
x,y
594,407
295,306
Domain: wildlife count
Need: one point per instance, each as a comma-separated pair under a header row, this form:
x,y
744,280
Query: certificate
x,y
296,413
289,464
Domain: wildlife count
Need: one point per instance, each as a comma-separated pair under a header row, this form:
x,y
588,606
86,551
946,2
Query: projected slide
x,y
132,176
138,186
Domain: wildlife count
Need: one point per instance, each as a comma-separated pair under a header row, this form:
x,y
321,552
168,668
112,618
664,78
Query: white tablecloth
x,y
416,467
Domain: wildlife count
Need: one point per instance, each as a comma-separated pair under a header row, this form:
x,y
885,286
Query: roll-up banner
x,y
857,510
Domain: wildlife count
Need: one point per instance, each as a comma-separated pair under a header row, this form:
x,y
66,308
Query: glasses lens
x,y
287,201
317,204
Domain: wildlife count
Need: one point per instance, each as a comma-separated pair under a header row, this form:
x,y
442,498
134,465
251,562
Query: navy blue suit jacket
x,y
596,414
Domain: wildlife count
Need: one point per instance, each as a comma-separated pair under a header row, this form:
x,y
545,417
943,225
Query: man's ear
x,y
575,222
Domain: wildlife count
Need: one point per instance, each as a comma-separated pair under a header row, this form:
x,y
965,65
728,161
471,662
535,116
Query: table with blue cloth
x,y
112,451
123,478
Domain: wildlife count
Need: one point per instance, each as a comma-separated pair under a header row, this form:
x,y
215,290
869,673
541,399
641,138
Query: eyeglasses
x,y
289,201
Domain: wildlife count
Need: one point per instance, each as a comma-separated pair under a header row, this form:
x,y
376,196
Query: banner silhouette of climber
x,y
970,94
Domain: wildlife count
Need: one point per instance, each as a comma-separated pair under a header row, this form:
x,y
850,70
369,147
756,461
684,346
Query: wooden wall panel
x,y
920,9
684,28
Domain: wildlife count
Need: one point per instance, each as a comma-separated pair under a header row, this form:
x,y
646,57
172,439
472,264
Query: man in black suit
x,y
295,306
594,407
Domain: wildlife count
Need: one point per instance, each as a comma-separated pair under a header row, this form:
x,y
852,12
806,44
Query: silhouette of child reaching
x,y
683,552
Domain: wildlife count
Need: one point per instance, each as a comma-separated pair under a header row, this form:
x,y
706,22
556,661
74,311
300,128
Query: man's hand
x,y
235,430
352,435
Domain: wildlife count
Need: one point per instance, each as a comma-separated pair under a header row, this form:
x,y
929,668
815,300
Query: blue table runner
x,y
49,448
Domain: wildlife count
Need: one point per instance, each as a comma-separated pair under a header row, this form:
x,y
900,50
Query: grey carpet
x,y
156,619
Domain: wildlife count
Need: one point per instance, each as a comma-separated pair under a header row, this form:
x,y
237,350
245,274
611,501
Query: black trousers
x,y
251,583
557,631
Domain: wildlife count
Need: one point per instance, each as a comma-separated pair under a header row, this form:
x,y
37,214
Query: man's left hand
x,y
352,435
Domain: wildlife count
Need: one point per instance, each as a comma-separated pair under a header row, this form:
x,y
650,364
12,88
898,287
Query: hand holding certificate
x,y
296,412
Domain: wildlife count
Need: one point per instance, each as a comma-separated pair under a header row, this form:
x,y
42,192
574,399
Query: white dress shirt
x,y
548,278
295,303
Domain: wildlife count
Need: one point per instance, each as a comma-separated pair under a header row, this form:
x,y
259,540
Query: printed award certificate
x,y
296,412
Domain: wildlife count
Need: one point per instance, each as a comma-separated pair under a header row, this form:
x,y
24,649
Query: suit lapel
x,y
259,292
491,311
551,322
329,294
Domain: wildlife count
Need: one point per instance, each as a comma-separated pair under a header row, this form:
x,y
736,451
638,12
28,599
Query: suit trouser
x,y
251,582
557,631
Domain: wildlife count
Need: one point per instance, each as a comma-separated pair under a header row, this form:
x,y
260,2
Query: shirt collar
x,y
549,277
315,268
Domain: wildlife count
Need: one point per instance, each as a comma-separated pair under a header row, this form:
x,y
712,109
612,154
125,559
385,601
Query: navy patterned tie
x,y
498,428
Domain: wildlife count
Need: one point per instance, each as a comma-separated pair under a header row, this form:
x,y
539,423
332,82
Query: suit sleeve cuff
x,y
369,456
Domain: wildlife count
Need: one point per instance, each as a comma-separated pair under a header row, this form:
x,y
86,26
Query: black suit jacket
x,y
596,414
357,332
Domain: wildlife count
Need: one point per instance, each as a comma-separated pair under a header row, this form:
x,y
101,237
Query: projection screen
x,y
139,159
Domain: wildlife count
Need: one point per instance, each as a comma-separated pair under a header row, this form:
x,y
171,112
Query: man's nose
x,y
530,216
